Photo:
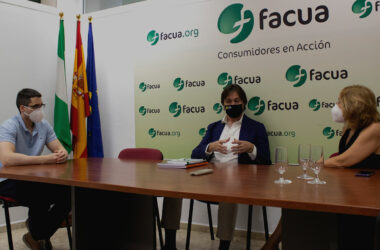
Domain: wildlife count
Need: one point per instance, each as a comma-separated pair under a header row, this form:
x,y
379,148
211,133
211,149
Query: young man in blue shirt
x,y
22,140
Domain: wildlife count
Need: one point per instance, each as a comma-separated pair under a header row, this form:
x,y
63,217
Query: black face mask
x,y
234,111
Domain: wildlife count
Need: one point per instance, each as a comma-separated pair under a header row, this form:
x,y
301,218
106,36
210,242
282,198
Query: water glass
x,y
304,157
316,164
281,164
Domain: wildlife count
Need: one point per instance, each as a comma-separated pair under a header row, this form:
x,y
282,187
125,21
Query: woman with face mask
x,y
359,146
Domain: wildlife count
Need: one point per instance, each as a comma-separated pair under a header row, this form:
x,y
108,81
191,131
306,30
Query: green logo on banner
x,y
224,79
152,37
256,105
362,7
202,132
152,132
296,75
231,21
217,108
328,132
314,104
142,110
178,84
142,87
175,109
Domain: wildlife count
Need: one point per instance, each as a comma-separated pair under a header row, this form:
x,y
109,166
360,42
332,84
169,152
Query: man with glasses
x,y
22,140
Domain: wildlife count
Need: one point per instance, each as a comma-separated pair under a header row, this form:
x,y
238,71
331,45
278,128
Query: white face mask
x,y
337,114
36,116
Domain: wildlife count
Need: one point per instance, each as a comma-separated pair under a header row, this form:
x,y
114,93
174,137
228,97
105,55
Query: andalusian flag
x,y
80,108
61,112
94,131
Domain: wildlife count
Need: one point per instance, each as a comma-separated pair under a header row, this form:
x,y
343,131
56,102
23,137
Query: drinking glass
x,y
281,164
316,163
304,156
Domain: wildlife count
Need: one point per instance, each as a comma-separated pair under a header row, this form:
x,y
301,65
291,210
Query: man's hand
x,y
62,155
59,156
218,146
242,147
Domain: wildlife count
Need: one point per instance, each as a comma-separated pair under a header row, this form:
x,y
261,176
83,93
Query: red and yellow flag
x,y
80,107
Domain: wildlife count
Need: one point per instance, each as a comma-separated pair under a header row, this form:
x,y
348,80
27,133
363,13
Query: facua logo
x,y
258,106
153,36
202,132
156,132
143,111
234,20
297,75
144,86
176,109
364,7
315,105
152,132
329,132
179,84
226,79
217,108
239,22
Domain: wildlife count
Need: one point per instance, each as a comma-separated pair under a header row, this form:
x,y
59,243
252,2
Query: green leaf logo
x,y
224,79
328,132
152,37
233,20
296,75
314,104
142,87
202,132
362,7
178,84
152,132
175,109
217,108
256,105
142,110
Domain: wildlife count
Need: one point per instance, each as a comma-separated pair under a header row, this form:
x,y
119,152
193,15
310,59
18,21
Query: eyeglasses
x,y
37,106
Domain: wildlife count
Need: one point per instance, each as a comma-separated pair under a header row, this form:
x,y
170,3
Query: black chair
x,y
10,202
249,223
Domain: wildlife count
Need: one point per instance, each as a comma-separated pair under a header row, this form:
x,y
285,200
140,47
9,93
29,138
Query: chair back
x,y
141,154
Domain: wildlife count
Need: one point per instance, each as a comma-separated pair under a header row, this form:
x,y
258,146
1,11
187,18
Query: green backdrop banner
x,y
291,59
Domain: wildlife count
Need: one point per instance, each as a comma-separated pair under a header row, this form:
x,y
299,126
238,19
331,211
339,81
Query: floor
x,y
200,240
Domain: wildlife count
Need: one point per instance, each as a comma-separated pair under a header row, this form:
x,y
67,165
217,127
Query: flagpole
x,y
61,15
90,19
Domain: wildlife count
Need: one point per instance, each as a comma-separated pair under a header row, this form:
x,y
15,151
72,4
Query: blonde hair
x,y
359,106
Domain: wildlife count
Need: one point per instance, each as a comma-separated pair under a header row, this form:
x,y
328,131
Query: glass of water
x,y
281,164
304,156
316,164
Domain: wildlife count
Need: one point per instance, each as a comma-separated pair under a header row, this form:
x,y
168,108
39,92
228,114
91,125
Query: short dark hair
x,y
234,88
24,95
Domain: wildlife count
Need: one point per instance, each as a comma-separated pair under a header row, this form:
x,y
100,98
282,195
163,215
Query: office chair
x,y
249,223
146,154
10,202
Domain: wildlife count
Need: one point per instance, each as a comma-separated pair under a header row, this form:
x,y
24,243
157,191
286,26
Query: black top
x,y
372,161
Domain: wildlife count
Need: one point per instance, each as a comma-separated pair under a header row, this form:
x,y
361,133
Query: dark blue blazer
x,y
250,130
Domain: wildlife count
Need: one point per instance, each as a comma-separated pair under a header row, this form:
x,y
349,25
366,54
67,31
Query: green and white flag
x,y
61,113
